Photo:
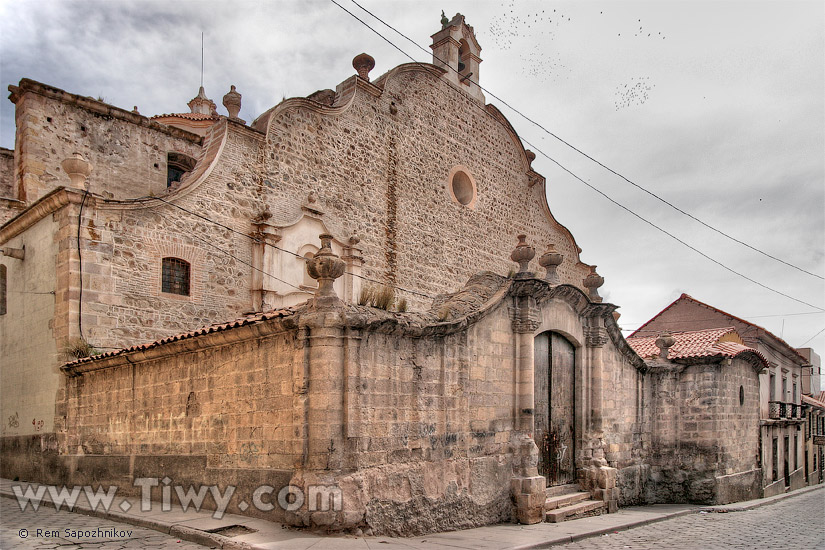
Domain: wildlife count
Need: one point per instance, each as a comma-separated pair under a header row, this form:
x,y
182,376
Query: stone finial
x,y
592,283
522,255
664,342
135,110
550,260
325,267
78,169
363,63
202,104
531,156
232,102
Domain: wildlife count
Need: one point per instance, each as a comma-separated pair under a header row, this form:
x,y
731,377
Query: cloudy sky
x,y
716,107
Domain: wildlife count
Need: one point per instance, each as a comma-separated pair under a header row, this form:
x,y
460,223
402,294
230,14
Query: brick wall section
x,y
127,151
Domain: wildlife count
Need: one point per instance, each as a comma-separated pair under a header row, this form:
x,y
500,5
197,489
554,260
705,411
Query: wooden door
x,y
554,407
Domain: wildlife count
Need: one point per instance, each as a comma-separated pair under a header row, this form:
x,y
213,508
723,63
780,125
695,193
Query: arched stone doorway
x,y
555,407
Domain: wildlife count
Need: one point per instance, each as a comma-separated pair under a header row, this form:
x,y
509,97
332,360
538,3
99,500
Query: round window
x,y
463,188
741,395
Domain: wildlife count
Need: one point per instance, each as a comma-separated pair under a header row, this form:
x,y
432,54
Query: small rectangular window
x,y
175,276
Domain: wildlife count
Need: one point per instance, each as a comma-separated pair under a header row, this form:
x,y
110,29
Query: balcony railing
x,y
784,411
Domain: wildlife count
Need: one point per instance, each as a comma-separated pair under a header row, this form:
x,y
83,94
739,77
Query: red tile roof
x,y
725,313
691,344
250,319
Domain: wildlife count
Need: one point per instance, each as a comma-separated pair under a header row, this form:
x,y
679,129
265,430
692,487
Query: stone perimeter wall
x,y
705,445
224,414
414,419
416,431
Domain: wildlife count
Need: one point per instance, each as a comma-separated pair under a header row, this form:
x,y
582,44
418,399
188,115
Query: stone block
x,y
606,477
534,484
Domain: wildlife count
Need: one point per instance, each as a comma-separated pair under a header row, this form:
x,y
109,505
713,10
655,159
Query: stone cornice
x,y
94,106
46,205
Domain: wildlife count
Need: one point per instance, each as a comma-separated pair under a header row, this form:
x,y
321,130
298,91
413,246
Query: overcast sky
x,y
717,107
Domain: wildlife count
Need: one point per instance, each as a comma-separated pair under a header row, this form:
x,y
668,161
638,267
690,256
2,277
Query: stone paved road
x,y
12,520
795,523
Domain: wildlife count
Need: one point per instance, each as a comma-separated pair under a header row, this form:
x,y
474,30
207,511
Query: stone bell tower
x,y
455,49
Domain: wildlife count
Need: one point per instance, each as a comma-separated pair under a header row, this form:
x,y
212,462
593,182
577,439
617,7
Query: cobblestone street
x,y
14,522
796,523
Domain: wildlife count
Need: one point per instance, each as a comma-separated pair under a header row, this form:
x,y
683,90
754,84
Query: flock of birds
x,y
544,67
512,25
538,26
634,93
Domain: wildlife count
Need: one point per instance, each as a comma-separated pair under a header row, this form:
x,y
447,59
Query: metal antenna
x,y
201,59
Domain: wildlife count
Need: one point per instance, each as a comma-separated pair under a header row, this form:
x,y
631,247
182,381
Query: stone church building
x,y
362,289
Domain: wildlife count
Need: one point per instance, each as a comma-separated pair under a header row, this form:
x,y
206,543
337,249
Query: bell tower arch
x,y
456,50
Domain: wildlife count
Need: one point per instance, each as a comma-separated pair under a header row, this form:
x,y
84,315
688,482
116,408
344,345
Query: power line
x,y
574,175
812,337
570,145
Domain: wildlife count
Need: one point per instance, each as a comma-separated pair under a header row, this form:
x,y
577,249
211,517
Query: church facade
x,y
328,297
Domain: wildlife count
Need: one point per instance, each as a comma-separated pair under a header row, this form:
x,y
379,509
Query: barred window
x,y
175,276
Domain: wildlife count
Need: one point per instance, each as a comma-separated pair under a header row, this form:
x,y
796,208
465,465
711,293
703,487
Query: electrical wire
x,y
812,337
80,266
573,147
577,177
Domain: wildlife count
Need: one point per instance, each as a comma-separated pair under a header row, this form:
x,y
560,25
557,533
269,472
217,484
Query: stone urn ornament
x,y
78,169
664,342
550,260
522,255
232,102
363,63
592,283
325,267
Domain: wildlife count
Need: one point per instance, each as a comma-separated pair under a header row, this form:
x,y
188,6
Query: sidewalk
x,y
241,532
